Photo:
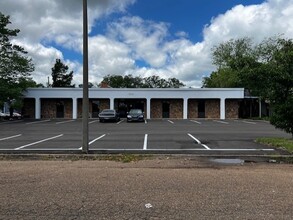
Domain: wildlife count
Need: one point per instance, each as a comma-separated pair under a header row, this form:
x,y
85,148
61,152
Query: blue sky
x,y
169,38
189,16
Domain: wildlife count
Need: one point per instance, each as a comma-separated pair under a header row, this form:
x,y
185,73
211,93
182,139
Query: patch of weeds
x,y
283,143
125,158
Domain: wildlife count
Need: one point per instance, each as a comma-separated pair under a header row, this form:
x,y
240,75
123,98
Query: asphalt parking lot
x,y
152,136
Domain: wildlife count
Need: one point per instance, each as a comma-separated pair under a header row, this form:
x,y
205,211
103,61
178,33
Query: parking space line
x,y
145,142
120,121
171,121
6,138
93,121
37,142
243,149
205,146
249,122
11,122
223,122
36,122
194,138
63,122
197,122
198,141
98,138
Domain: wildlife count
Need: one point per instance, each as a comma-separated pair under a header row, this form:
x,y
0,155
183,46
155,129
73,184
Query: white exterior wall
x,y
148,94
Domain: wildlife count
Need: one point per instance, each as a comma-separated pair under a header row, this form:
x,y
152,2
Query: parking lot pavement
x,y
167,135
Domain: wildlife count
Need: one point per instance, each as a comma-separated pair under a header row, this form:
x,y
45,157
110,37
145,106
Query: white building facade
x,y
156,103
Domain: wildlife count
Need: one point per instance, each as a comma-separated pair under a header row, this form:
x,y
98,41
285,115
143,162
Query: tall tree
x,y
266,70
232,58
15,65
129,81
278,77
60,76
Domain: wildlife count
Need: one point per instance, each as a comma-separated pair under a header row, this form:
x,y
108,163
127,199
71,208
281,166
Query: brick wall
x,y
156,108
212,108
49,108
176,108
103,104
28,108
192,108
232,108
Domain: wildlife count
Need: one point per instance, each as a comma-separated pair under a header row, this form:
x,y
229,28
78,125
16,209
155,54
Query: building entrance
x,y
201,108
166,110
59,110
124,105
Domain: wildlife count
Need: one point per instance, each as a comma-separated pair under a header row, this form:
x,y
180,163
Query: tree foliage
x,y
266,70
15,65
129,81
60,76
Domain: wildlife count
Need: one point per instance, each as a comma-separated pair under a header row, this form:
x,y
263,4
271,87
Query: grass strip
x,y
283,143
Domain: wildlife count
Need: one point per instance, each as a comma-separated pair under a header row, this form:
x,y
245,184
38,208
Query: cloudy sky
x,y
169,38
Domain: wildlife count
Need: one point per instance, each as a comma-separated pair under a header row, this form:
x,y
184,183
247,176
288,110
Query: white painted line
x,y
120,121
194,138
35,122
198,141
107,149
14,136
38,142
223,122
171,121
98,138
247,149
145,143
93,121
63,122
164,149
205,146
10,122
197,122
249,122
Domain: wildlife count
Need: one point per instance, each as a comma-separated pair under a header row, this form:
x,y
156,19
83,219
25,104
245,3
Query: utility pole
x,y
85,100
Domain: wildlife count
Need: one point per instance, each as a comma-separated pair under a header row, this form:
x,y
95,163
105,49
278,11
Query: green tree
x,y
129,81
154,82
60,76
15,65
279,80
266,70
233,59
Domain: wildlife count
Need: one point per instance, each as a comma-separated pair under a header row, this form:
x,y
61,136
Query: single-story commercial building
x,y
180,103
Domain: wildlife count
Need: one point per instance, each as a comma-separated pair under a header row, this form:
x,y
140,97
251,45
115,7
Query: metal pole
x,y
85,100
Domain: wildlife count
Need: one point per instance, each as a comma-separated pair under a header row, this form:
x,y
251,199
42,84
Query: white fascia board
x,y
205,93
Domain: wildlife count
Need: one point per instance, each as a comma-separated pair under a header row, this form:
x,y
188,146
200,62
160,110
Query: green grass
x,y
283,143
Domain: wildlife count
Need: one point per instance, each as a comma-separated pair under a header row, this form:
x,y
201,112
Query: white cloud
x,y
144,37
132,40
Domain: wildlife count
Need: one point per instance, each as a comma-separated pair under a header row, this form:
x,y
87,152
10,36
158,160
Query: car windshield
x,y
135,111
108,111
